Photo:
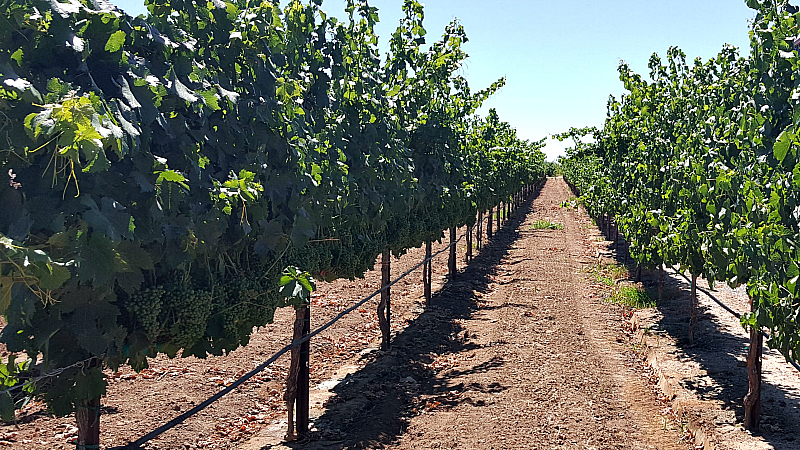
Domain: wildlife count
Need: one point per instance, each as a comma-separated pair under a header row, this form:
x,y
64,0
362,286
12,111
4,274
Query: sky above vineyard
x,y
561,57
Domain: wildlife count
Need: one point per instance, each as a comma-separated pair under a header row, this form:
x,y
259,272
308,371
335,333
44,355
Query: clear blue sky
x,y
560,57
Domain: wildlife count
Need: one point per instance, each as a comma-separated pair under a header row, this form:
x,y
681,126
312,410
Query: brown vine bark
x,y
752,401
692,309
384,307
87,417
469,244
489,225
451,261
480,230
294,371
426,274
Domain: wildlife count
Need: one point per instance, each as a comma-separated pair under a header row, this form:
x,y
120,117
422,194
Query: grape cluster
x,y
241,304
186,314
171,314
145,307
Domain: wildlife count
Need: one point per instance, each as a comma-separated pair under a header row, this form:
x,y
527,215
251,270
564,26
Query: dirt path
x,y
515,353
548,354
707,381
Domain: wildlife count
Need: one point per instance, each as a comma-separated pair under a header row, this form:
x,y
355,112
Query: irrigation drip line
x,y
734,313
181,418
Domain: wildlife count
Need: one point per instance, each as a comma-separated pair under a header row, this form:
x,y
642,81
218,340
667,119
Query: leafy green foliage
x,y
162,171
699,167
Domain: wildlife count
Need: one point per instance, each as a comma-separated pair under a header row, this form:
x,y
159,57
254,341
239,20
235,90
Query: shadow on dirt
x,y
372,406
718,351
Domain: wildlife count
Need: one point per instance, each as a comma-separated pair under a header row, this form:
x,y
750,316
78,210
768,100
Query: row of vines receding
x,y
699,167
160,173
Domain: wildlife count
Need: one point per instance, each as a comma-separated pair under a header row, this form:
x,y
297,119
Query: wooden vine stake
x,y
426,273
499,215
87,416
303,377
469,244
479,233
297,383
384,307
489,224
752,401
692,309
451,261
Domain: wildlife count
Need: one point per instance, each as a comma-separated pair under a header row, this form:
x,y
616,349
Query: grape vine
x,y
699,168
160,172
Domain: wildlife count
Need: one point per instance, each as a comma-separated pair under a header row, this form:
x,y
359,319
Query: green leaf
x,y
210,96
172,176
179,89
17,56
115,41
96,261
53,276
133,256
781,147
302,230
90,384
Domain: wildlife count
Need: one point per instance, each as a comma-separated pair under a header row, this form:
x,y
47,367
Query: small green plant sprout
x,y
633,297
605,280
546,225
608,274
296,286
571,203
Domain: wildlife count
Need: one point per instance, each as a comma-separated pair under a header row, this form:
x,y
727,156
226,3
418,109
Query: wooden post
x,y
303,377
293,380
499,214
626,254
479,233
752,401
87,416
384,308
469,244
489,225
692,309
426,274
451,262
662,277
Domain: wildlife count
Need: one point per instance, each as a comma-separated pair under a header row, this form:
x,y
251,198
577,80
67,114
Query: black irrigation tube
x,y
734,313
181,418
